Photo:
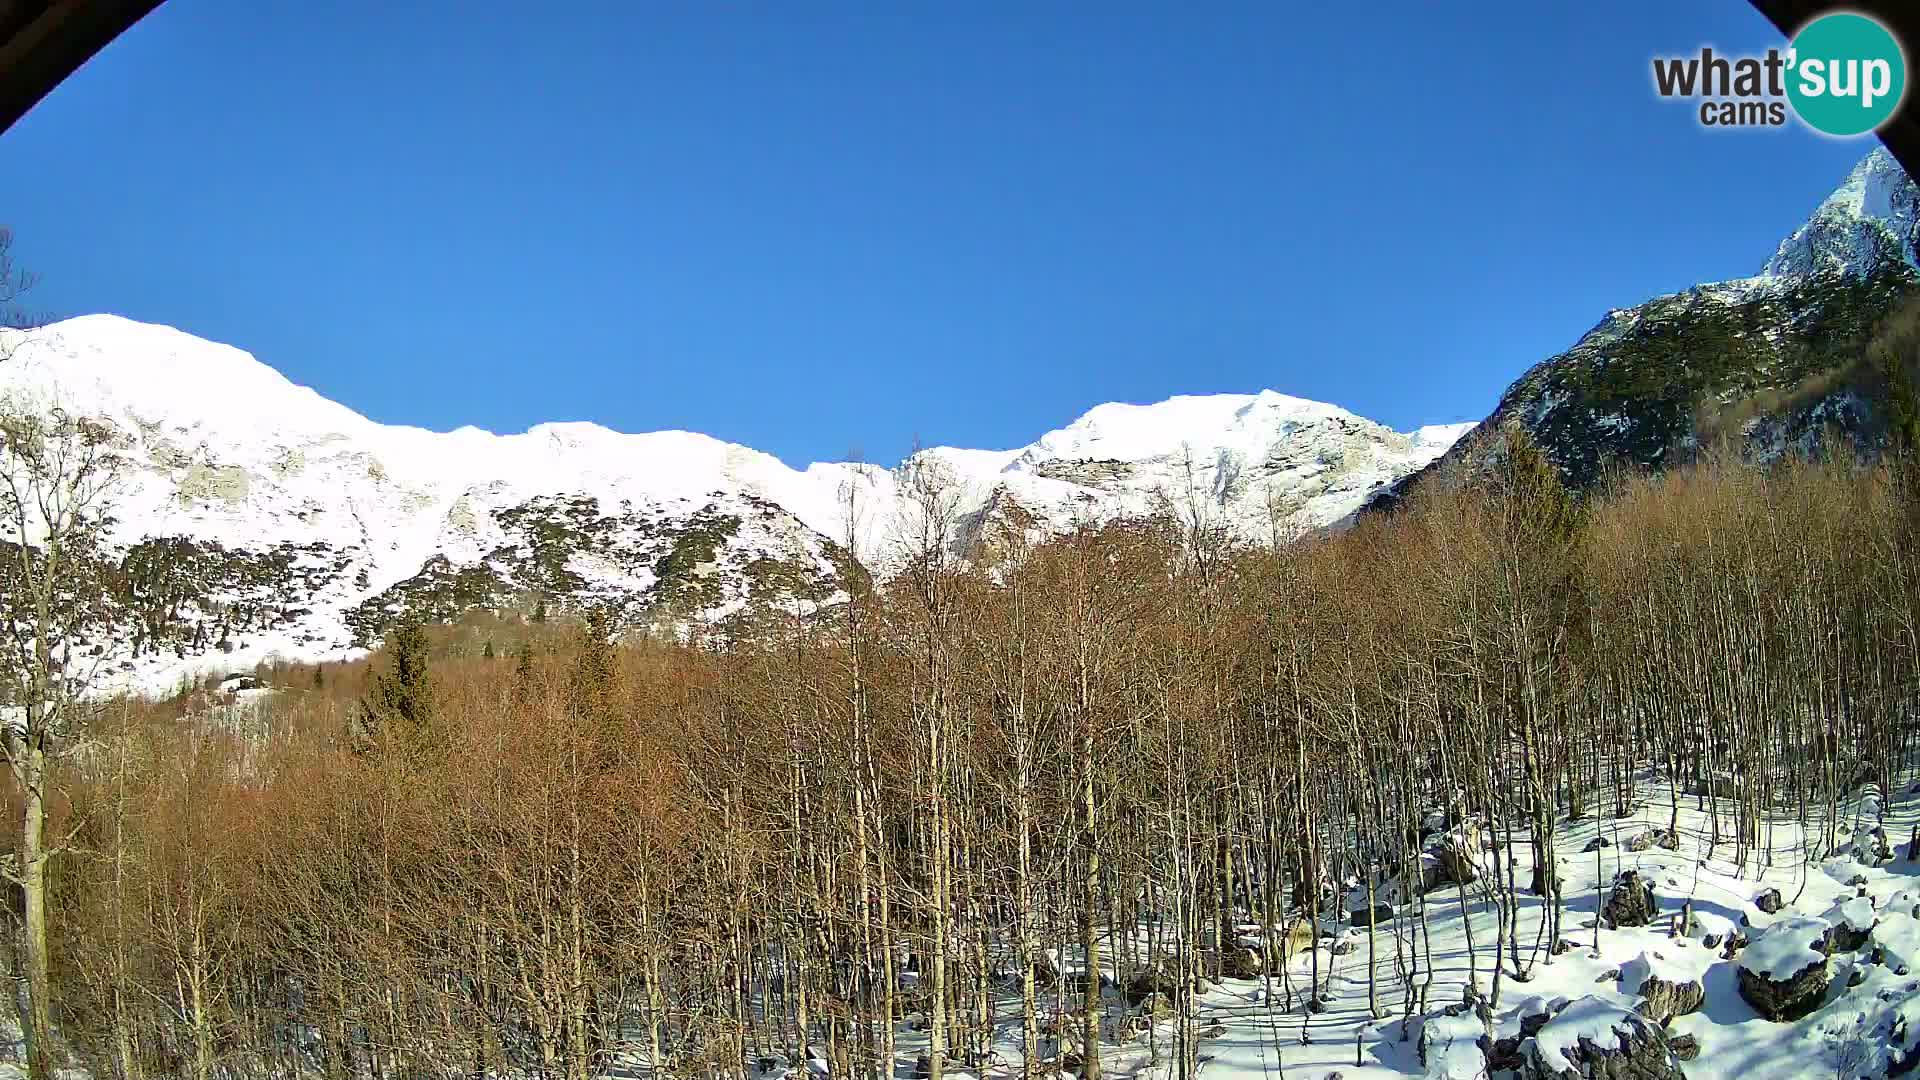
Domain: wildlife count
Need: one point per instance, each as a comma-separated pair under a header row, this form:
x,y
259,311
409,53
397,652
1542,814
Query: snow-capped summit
x,y
1766,359
298,526
1872,216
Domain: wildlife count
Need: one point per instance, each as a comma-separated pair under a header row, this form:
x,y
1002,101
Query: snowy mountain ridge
x,y
319,525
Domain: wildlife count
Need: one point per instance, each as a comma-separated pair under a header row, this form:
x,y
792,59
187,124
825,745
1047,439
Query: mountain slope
x,y
256,517
1773,360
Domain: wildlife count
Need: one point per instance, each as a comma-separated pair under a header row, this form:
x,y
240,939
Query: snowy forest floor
x,y
1246,1034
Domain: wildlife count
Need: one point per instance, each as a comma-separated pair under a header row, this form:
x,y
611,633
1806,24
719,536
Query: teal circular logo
x,y
1846,75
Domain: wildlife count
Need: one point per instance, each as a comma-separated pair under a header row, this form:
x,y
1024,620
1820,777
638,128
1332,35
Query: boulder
x,y
1504,1056
1156,1006
1377,915
1649,838
1045,971
1852,922
1631,903
1596,1039
1454,857
1596,844
1720,785
1684,1047
1298,937
1784,975
1666,986
1151,982
1456,1041
1534,1012
1769,901
1877,846
1903,1043
1077,982
1242,964
1846,870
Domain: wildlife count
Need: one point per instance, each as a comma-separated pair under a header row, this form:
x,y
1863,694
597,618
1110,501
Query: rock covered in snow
x,y
1454,1042
1709,928
1852,921
1596,1039
1784,974
1896,942
1650,838
1903,1034
1667,982
1845,870
1150,982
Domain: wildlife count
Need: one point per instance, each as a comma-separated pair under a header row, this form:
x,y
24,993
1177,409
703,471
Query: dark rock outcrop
x,y
1631,903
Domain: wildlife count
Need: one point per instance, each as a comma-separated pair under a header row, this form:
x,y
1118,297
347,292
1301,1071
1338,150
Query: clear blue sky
x,y
813,228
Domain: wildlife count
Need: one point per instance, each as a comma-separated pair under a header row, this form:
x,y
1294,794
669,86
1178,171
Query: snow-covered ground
x,y
1868,1018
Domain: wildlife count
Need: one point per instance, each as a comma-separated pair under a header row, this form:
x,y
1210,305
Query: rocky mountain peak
x,y
1871,218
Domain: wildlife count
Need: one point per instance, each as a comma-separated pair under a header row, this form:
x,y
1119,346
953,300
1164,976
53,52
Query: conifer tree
x,y
589,690
400,703
1531,479
523,675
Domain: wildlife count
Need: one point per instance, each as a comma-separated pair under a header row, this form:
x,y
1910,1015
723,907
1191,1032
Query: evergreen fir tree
x,y
400,702
1533,481
523,674
590,689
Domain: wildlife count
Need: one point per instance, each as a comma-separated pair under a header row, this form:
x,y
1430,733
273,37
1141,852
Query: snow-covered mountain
x,y
259,518
1774,360
1871,218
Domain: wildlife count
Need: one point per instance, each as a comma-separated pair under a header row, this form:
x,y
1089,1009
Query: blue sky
x,y
815,228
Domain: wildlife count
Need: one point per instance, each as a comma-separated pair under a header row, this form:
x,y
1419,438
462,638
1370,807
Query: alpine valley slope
x,y
1774,361
255,518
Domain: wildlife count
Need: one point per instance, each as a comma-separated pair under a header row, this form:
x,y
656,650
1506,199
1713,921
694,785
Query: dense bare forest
x,y
1053,791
